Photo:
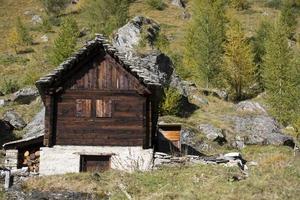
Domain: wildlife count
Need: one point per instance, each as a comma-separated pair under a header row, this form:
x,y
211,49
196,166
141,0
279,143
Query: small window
x,y
103,108
83,107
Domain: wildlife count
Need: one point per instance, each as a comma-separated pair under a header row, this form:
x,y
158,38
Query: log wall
x,y
102,106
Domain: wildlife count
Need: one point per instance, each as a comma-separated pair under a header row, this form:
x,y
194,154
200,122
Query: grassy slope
x,y
277,176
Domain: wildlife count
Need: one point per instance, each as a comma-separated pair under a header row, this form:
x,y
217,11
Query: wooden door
x,y
95,163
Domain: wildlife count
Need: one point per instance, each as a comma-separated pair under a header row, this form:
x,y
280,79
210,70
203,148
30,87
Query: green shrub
x,y
239,4
46,26
156,4
171,102
273,3
65,43
162,43
55,7
9,86
23,32
106,16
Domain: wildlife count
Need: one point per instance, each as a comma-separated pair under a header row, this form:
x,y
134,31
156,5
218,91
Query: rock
x,y
178,3
185,15
238,142
250,106
212,133
5,128
74,1
28,12
36,126
199,100
260,130
25,95
4,102
36,19
191,145
14,119
221,94
129,36
83,32
44,38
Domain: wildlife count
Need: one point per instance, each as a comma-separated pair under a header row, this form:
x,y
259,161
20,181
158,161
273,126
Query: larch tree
x,y
288,17
281,76
65,43
204,39
238,67
259,52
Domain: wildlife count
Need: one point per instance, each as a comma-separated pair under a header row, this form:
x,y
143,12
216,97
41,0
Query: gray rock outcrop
x,y
14,119
250,106
212,133
25,95
178,3
36,126
259,130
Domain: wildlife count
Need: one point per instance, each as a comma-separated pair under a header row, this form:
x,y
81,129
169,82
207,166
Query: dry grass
x,y
277,176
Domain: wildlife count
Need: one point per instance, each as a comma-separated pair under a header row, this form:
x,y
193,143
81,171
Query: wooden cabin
x,y
101,112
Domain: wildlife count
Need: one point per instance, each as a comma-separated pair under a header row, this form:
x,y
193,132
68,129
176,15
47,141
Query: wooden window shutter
x,y
83,107
104,108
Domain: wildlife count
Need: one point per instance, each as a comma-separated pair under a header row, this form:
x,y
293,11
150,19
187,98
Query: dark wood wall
x,y
103,105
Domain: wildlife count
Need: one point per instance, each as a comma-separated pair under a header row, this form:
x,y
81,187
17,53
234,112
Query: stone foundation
x,y
11,159
66,159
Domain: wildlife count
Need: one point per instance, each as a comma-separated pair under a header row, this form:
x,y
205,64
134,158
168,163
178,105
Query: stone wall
x,y
66,159
11,159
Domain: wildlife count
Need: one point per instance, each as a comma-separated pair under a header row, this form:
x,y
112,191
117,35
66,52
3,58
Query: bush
x,y
273,3
239,4
106,16
65,43
162,43
55,7
171,102
19,36
9,86
156,4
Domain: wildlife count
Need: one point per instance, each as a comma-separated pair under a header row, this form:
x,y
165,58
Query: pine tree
x,y
288,18
204,39
238,67
65,43
281,76
259,52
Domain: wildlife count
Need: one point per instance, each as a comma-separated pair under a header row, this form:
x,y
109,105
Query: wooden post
x,y
7,182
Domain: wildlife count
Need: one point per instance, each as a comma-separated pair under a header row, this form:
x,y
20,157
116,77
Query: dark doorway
x,y
90,163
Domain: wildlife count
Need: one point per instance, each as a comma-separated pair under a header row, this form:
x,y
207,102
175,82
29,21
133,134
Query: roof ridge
x,y
88,47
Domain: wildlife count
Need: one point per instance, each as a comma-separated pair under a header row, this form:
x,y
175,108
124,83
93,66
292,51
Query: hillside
x,y
248,126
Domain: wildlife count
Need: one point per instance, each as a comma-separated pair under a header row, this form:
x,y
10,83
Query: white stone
x,y
232,154
11,158
66,159
44,38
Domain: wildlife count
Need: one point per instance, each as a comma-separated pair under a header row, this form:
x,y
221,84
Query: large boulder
x,y
260,129
212,133
250,106
36,126
191,144
25,95
129,36
14,119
